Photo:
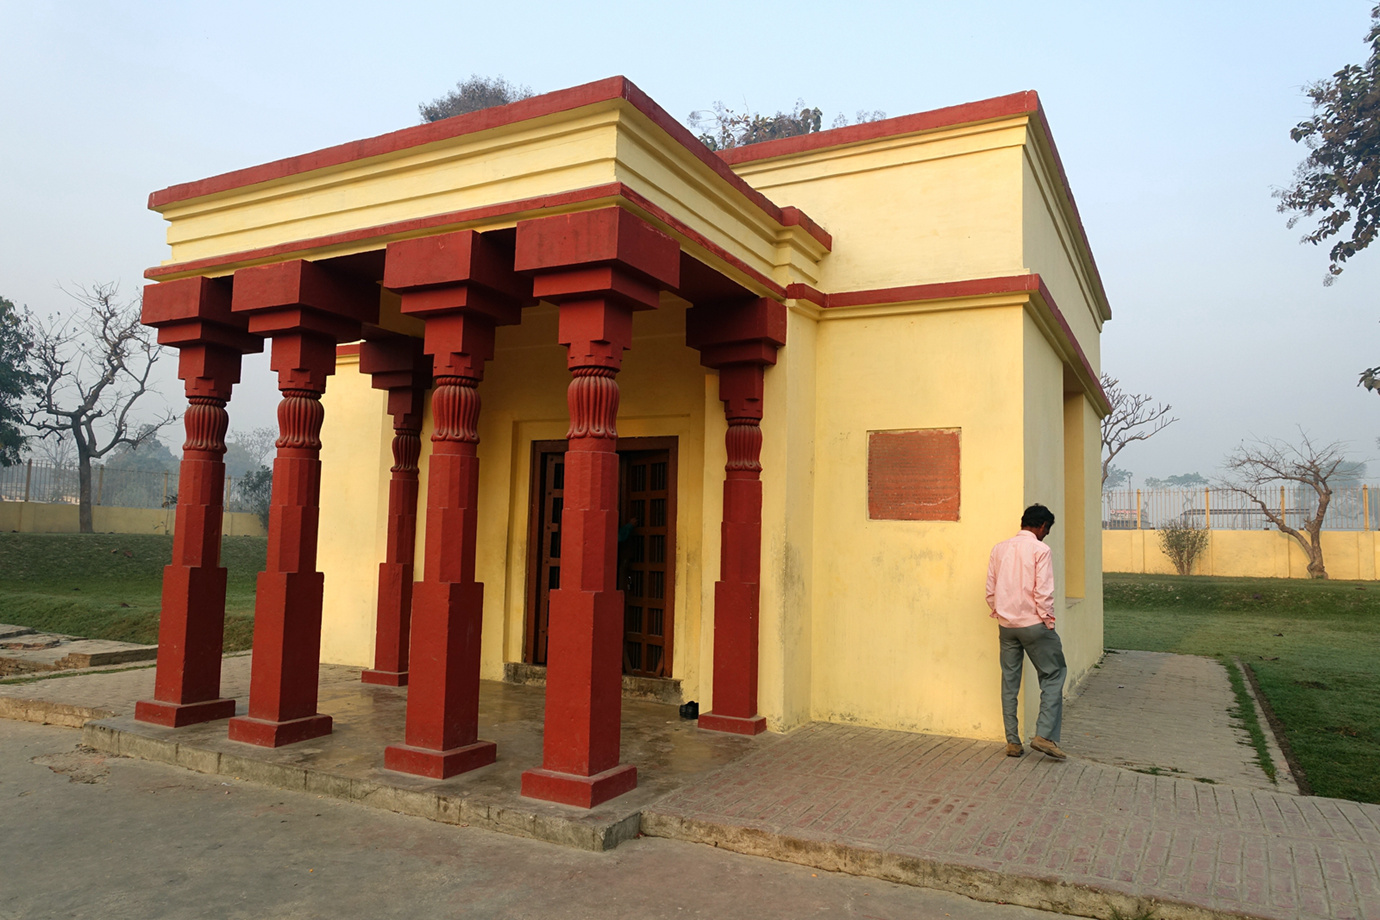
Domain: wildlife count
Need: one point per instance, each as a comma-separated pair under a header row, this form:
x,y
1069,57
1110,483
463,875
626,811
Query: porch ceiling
x,y
587,147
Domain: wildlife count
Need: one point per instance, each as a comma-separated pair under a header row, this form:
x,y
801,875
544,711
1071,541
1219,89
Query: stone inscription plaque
x,y
913,475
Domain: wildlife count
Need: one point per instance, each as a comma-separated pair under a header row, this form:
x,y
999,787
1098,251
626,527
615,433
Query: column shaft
x,y
392,628
736,593
191,625
287,603
584,682
194,315
442,734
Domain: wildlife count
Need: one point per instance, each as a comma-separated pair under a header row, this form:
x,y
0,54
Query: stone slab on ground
x,y
1153,711
26,651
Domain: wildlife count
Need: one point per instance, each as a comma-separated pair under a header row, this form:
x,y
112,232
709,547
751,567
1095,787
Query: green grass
x,y
1311,644
1246,715
108,586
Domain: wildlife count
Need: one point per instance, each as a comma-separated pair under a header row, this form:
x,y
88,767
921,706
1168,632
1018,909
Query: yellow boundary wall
x,y
1349,555
43,517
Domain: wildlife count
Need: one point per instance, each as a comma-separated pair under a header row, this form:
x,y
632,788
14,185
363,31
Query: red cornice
x,y
397,228
535,107
385,232
1030,283
969,113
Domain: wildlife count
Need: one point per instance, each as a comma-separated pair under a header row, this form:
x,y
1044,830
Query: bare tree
x,y
1268,462
1133,418
91,372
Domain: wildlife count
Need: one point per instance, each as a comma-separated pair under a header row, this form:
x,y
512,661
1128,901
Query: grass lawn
x,y
1312,645
108,586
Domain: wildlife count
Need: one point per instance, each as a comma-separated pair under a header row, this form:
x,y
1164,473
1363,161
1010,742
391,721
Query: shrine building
x,y
568,395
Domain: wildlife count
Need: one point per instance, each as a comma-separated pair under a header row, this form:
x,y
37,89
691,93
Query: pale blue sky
x,y
1172,120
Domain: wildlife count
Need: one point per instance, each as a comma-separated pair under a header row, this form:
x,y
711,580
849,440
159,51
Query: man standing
x,y
1020,593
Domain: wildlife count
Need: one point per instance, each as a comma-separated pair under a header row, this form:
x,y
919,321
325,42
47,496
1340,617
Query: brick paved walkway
x,y
957,814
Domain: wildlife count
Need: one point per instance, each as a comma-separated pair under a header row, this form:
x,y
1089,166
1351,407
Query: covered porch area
x,y
502,259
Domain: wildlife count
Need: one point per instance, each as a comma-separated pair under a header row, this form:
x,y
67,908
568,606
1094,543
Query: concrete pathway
x,y
1080,837
87,835
1171,714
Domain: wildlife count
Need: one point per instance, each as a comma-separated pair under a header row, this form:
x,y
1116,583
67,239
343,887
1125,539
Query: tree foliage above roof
x,y
723,128
1339,180
472,95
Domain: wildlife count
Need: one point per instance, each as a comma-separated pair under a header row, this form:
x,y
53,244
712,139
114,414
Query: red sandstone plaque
x,y
913,475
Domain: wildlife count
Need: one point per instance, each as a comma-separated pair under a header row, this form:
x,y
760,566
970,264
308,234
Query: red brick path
x,y
888,803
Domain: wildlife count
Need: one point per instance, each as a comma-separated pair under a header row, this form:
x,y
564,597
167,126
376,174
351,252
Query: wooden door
x,y
646,552
645,570
546,550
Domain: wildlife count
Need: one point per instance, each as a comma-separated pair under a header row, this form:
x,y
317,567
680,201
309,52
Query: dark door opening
x,y
646,550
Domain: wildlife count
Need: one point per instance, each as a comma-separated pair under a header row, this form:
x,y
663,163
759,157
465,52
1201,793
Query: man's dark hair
x,y
1036,516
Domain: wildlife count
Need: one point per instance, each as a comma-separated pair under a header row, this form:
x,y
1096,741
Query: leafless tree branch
x,y
1134,417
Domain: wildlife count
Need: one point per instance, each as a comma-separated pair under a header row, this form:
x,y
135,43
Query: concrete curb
x,y
1284,773
980,884
109,736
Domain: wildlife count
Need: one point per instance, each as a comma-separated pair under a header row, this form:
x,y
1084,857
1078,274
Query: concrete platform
x,y
1080,837
348,763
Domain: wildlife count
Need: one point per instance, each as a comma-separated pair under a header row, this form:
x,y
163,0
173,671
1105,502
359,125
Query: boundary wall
x,y
1348,555
43,517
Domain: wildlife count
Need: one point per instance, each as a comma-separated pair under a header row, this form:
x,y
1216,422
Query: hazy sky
x,y
1172,120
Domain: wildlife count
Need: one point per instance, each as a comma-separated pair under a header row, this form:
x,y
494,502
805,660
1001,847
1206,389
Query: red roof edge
x,y
1030,283
534,107
1023,103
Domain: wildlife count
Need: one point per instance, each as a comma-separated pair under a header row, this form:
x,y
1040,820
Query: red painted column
x,y
193,314
599,266
462,285
306,310
398,365
741,341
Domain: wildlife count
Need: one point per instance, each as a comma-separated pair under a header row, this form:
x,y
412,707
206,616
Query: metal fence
x,y
1351,508
110,487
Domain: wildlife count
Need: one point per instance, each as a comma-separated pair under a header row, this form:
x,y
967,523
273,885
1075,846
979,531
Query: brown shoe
x,y
1014,749
1047,747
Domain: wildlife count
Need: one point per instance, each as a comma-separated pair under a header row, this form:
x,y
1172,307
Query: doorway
x,y
646,550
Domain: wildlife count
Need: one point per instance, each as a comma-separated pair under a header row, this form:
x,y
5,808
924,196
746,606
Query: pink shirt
x,y
1020,582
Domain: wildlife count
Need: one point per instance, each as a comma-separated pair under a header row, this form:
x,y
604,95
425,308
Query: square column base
x,y
384,678
581,791
276,734
176,715
439,764
737,725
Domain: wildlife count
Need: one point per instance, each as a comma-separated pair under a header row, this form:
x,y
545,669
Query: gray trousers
x,y
1046,653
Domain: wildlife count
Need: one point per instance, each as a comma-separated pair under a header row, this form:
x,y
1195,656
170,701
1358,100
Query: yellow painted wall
x,y
42,517
1050,248
356,454
1084,619
1350,555
900,620
914,210
787,624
